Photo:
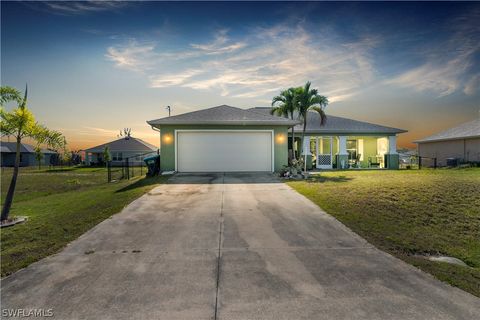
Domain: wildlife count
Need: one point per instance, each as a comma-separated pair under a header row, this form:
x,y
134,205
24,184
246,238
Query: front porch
x,y
347,152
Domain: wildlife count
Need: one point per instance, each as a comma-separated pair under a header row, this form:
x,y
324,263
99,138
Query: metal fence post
x,y
109,172
127,168
435,163
419,162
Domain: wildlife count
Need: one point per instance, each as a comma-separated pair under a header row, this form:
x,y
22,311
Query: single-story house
x,y
27,155
461,142
226,138
126,147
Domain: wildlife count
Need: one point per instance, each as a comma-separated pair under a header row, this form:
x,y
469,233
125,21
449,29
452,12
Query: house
x,y
226,138
27,155
128,147
461,142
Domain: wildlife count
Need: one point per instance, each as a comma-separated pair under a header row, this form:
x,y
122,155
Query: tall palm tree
x,y
284,105
21,123
307,99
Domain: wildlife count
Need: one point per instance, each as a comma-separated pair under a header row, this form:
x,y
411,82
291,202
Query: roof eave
x,y
223,122
355,132
446,139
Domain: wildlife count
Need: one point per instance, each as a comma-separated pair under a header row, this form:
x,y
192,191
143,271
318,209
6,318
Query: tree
x,y
307,99
127,132
38,156
284,105
20,123
106,155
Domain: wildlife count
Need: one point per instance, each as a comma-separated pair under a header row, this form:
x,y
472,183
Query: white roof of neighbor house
x,y
125,144
335,124
223,115
9,147
469,129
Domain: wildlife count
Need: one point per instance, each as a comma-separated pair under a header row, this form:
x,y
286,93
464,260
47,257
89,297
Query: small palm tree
x,y
21,123
284,105
38,156
307,99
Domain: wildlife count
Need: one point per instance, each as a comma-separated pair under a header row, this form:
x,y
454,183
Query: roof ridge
x,y
223,113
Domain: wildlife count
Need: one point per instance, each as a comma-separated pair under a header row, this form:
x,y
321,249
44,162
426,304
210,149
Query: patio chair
x,y
372,164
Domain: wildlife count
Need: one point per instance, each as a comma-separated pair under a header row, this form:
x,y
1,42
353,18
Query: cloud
x,y
219,45
257,66
82,7
450,65
133,56
160,81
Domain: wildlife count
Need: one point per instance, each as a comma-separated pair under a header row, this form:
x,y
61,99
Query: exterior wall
x,y
464,149
167,142
97,157
27,159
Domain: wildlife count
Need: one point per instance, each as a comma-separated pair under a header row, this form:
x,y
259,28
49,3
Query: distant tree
x,y
76,157
127,132
307,99
20,123
39,156
284,105
106,155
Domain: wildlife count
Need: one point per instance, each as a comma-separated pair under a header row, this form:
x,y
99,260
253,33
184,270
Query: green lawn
x,y
60,205
410,212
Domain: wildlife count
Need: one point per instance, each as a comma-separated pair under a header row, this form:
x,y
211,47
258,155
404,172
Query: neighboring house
x,y
27,155
226,138
127,147
461,142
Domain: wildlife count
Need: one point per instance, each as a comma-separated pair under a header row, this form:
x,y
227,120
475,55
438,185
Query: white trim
x,y
272,133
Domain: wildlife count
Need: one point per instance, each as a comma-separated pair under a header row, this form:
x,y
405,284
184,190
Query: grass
x,y
409,213
60,205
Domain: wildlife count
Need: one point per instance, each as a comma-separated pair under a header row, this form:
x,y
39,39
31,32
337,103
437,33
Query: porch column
x,y
392,158
392,144
306,146
342,156
306,152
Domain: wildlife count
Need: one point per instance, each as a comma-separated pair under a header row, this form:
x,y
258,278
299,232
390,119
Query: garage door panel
x,y
210,151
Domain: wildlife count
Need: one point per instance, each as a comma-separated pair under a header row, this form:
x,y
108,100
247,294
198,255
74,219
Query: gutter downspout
x,y
158,130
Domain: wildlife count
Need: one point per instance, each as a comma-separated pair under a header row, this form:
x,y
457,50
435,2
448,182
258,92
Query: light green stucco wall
x,y
167,148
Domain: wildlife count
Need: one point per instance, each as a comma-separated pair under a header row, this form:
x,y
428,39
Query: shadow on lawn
x,y
322,179
147,181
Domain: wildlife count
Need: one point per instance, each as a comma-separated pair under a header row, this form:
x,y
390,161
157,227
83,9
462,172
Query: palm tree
x,y
306,100
21,123
284,105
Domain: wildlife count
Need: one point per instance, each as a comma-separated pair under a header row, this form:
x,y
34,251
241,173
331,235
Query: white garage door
x,y
217,151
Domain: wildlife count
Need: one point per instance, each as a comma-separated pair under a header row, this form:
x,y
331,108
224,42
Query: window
x,y
117,156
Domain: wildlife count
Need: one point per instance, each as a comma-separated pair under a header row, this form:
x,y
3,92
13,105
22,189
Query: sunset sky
x,y
95,68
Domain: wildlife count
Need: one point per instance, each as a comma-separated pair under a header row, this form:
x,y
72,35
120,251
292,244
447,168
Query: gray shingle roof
x,y
223,115
25,148
469,129
131,144
339,125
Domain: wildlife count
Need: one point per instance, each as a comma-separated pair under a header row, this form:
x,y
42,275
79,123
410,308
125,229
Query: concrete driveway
x,y
229,246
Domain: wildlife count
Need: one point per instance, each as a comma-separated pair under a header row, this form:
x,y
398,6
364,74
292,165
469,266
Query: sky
x,y
94,68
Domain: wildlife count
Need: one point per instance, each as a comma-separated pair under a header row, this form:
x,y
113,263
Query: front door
x,y
324,152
